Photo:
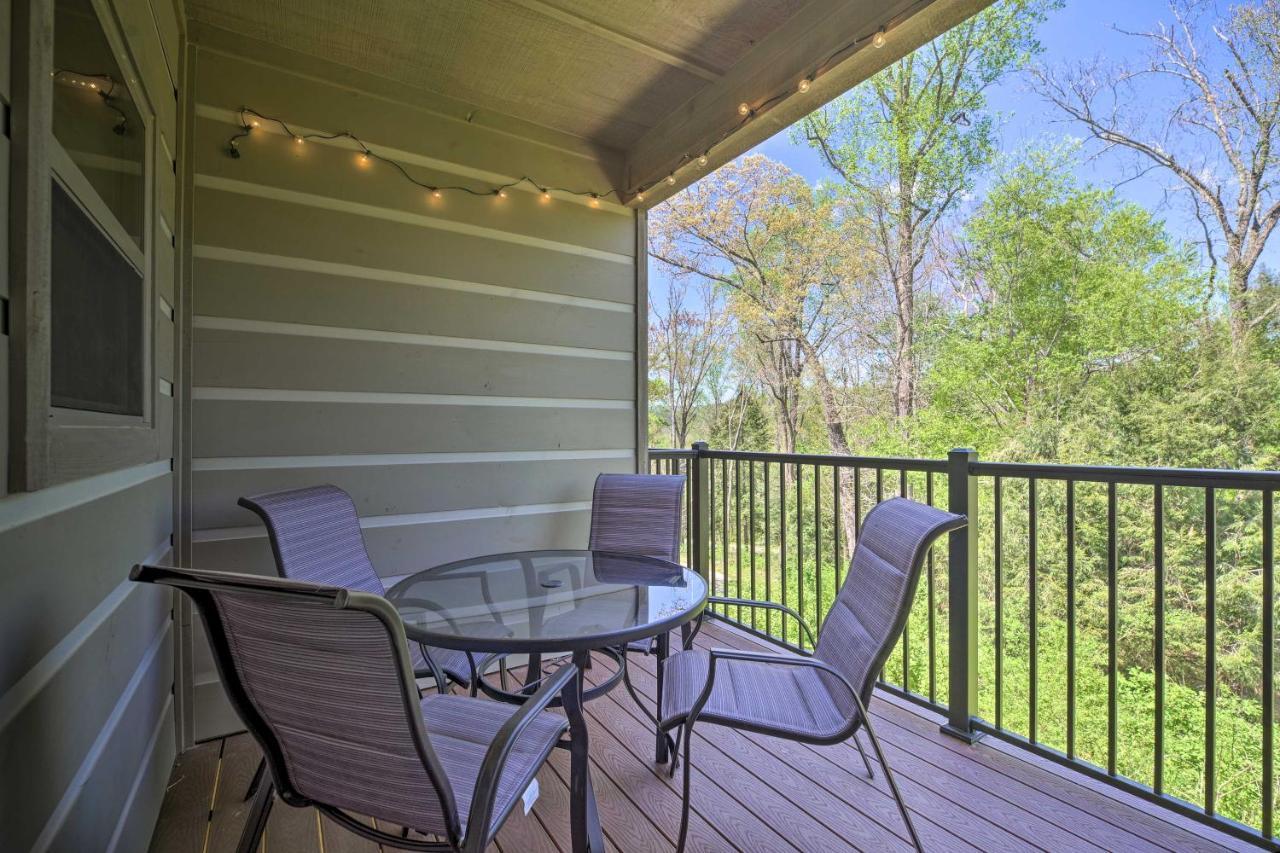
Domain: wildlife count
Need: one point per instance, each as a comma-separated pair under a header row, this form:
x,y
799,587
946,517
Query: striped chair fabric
x,y
316,537
332,686
856,638
637,514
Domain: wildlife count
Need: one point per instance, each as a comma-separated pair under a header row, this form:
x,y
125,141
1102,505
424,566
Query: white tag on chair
x,y
530,795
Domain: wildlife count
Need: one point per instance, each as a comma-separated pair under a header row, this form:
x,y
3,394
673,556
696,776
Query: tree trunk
x,y
1238,303
904,293
840,446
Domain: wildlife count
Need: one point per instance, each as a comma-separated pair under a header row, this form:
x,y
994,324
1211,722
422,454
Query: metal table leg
x,y
660,752
583,817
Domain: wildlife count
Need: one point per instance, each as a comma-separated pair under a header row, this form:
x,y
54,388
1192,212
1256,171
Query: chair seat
x,y
461,728
453,662
778,699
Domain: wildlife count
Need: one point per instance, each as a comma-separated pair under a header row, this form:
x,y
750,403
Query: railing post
x,y
962,658
701,509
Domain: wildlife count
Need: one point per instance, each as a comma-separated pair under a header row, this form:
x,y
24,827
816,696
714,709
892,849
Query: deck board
x,y
750,793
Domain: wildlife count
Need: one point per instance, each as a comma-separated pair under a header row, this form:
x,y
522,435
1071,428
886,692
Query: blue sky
x,y
1082,30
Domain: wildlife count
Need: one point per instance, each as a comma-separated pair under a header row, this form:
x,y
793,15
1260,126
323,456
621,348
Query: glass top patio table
x,y
547,601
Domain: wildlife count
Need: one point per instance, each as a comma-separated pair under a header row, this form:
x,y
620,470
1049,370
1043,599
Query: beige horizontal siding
x,y
464,367
248,359
405,489
273,226
249,291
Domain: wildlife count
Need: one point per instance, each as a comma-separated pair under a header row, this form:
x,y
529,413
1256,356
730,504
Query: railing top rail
x,y
891,462
1201,477
671,453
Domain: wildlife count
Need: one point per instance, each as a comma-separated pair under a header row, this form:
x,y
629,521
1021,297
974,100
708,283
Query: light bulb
x,y
804,84
546,195
501,193
254,122
671,179
298,139
364,159
435,194
744,109
639,196
878,39
702,160
595,200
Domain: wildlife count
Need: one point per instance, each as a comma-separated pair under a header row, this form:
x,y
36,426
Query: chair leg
x,y
684,805
893,786
502,672
256,822
871,774
256,780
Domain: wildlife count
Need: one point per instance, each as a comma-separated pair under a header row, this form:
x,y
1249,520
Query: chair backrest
x,y
871,608
315,535
637,514
321,677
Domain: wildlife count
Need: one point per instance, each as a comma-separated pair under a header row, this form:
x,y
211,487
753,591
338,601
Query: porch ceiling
x,y
655,82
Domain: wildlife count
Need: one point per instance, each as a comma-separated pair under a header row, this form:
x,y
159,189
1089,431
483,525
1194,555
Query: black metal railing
x,y
1039,604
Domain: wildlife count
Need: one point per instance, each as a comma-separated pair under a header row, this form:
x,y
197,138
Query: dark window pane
x,y
97,316
94,116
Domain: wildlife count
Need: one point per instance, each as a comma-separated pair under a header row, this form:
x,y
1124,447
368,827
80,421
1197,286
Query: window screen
x,y
96,336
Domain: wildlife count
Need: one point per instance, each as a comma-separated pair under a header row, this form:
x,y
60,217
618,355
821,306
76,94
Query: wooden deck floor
x,y
751,793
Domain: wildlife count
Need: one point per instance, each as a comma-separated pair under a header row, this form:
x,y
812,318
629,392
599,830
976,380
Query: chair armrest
x,y
767,605
503,742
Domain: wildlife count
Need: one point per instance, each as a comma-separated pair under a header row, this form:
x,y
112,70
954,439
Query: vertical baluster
x,y
1032,608
857,503
768,554
1071,619
1112,624
879,485
817,546
928,568
751,511
711,527
1211,651
737,531
799,550
782,542
838,527
1158,656
906,626
724,529
1268,664
688,511
998,517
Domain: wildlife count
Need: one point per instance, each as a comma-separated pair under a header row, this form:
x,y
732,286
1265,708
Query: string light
x,y
702,161
250,119
639,196
876,39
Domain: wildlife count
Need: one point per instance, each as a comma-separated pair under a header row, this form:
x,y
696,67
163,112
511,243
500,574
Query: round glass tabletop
x,y
543,601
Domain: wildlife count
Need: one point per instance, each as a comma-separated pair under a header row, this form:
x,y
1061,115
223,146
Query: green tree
x,y
907,145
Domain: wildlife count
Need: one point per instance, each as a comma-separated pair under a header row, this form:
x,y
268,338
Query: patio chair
x,y
820,699
638,514
322,678
315,536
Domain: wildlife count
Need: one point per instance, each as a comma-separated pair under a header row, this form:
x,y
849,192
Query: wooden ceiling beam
x,y
775,67
630,43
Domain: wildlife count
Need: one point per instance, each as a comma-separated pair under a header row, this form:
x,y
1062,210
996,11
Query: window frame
x,y
51,444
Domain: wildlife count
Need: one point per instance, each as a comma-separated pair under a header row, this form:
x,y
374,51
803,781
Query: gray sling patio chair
x,y
820,699
321,677
638,514
315,536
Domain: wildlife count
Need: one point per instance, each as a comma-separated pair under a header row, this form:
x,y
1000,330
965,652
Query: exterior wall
x,y
86,658
464,367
